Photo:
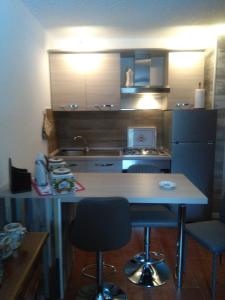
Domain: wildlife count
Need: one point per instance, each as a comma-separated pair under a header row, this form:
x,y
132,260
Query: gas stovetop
x,y
144,152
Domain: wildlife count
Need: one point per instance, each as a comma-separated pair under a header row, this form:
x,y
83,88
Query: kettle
x,y
41,170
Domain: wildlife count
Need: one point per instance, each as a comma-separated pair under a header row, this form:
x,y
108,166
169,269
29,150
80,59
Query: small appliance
x,y
41,170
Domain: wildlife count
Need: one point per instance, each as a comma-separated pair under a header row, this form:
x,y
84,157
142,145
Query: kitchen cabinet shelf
x,y
149,72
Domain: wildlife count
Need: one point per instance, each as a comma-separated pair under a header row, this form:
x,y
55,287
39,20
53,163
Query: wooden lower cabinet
x,y
23,273
100,165
33,290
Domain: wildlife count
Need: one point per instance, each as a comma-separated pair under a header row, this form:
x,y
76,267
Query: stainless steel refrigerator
x,y
191,135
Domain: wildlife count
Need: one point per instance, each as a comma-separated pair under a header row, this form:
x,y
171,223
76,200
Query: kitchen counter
x,y
111,160
100,153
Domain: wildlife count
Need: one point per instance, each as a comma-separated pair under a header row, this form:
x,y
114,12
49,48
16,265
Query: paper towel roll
x,y
199,98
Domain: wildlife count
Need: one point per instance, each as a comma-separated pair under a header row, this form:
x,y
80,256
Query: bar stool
x,y
149,269
101,224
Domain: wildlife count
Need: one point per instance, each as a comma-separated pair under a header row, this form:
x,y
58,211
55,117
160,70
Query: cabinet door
x,y
105,166
185,72
103,82
96,165
78,165
67,82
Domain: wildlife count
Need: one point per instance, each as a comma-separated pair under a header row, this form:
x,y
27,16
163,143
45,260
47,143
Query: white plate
x,y
167,185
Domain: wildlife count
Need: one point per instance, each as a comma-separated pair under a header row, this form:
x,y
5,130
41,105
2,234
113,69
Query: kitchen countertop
x,y
113,153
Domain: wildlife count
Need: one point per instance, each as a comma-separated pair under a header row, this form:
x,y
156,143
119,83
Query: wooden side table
x,y
22,271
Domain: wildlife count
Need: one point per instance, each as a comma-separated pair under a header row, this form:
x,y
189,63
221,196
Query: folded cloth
x,y
47,190
47,127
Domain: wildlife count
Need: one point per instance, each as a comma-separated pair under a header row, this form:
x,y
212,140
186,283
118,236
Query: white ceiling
x,y
127,19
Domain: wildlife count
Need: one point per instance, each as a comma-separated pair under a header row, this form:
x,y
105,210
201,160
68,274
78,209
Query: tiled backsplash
x,y
104,128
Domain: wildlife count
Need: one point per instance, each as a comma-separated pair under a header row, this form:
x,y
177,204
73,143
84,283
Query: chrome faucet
x,y
80,137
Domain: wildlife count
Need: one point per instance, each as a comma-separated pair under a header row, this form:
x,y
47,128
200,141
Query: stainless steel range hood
x,y
145,89
149,76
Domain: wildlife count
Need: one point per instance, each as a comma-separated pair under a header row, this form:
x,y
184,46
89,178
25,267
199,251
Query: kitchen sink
x,y
91,152
69,152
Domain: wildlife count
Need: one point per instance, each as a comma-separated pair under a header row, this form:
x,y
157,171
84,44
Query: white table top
x,y
137,188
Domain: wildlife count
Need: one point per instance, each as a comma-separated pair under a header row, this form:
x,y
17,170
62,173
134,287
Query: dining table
x,y
160,188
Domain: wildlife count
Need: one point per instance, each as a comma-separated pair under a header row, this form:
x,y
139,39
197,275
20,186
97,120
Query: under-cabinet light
x,y
148,101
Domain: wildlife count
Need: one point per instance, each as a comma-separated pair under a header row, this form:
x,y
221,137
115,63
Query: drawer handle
x,y
72,165
104,165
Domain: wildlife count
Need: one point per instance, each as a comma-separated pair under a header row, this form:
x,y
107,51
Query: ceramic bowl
x,y
16,231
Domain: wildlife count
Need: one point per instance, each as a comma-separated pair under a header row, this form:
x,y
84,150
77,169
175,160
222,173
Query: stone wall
x,y
219,103
209,77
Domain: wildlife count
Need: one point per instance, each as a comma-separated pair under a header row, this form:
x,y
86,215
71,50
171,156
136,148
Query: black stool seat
x,y
154,216
101,224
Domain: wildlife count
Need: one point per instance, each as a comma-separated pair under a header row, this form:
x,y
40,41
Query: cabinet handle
x,y
72,165
102,106
70,107
104,165
107,105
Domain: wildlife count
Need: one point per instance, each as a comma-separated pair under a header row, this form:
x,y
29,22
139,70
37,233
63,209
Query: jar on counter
x,y
56,163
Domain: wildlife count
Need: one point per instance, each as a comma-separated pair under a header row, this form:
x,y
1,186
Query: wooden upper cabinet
x,y
103,82
67,82
85,81
185,71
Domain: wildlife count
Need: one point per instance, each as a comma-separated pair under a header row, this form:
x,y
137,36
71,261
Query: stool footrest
x,y
89,269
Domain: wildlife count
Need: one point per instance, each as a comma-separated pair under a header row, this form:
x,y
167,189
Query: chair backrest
x,y
222,209
143,168
101,224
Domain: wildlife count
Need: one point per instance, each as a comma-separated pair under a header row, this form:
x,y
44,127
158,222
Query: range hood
x,y
149,76
145,89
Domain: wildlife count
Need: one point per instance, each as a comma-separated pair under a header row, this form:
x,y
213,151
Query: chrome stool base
x,y
89,269
110,292
151,273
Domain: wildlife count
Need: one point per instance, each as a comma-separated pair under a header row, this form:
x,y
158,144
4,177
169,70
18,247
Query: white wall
x,y
24,86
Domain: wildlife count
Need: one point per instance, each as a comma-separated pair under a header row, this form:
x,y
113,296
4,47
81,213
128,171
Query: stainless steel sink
x,y
91,152
70,152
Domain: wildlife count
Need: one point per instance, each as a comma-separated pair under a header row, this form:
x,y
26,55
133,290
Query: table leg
x,y
59,244
8,209
180,244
